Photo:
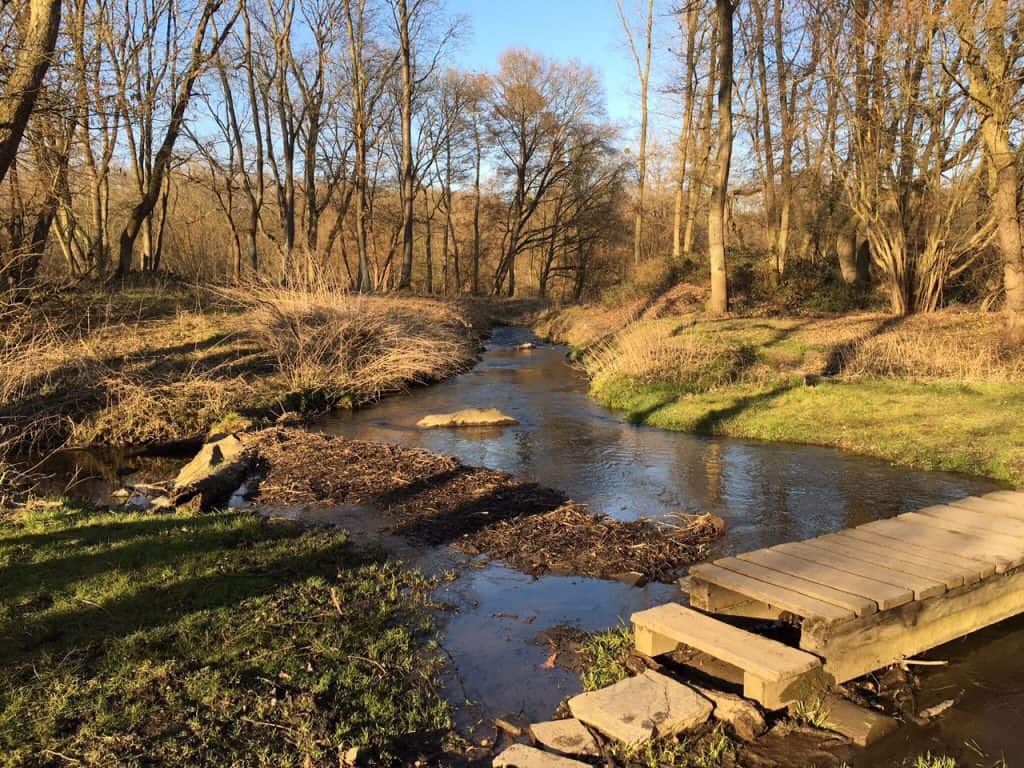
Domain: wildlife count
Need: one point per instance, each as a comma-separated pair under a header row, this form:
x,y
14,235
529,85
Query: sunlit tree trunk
x,y
18,95
719,304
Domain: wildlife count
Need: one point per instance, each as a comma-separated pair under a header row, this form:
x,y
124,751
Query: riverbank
x,y
159,363
209,639
940,391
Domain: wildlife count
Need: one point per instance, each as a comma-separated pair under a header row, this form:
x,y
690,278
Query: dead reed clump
x,y
670,354
940,347
342,348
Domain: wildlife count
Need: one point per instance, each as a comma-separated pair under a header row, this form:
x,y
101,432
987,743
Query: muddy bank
x,y
436,500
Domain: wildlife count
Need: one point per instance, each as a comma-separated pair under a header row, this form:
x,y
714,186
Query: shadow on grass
x,y
210,640
841,354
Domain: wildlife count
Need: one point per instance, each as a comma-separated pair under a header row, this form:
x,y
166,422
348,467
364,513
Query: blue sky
x,y
587,30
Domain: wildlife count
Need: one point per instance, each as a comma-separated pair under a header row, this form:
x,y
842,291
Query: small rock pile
x,y
633,711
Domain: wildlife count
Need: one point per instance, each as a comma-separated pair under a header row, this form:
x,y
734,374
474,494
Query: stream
x,y
767,494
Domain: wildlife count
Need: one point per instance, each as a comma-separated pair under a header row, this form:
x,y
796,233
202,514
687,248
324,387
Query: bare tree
x,y
719,304
993,50
643,73
35,52
201,53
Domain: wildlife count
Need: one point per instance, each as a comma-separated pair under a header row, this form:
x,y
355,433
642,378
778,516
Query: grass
x,y
934,392
207,639
603,657
934,761
165,363
813,712
709,750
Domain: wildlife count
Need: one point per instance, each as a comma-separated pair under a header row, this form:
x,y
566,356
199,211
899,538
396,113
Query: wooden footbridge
x,y
864,598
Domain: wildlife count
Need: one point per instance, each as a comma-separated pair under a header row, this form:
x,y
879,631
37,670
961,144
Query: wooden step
x,y
773,674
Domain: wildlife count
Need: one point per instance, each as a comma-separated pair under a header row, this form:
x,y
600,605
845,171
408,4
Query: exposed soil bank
x,y
437,500
935,392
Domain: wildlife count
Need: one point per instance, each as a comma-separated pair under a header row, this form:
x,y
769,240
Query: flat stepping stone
x,y
522,756
470,417
564,737
640,708
862,726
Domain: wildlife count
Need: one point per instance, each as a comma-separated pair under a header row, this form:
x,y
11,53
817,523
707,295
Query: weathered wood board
x,y
872,595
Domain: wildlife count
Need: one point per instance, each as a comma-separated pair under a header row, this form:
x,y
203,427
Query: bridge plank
x,y
1014,497
894,542
906,560
982,521
861,606
920,587
990,506
1008,548
780,597
936,539
885,596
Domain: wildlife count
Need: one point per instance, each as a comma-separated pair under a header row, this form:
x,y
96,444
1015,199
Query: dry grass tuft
x,y
343,347
938,347
137,367
668,353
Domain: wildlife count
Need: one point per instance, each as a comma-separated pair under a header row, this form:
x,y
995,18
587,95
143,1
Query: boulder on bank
x,y
470,417
214,474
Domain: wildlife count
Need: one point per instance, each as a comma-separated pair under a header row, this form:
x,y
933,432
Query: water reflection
x,y
767,493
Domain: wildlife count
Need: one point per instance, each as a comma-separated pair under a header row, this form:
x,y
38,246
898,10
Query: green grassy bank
x,y
943,391
208,639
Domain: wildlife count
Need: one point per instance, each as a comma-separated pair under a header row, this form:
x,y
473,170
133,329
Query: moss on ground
x,y
208,639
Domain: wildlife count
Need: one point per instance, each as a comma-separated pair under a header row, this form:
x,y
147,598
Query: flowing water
x,y
767,493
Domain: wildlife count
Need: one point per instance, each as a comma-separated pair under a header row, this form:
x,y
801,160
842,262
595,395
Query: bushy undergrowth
x,y
208,640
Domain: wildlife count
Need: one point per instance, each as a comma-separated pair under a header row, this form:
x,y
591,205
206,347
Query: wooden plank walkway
x,y
871,595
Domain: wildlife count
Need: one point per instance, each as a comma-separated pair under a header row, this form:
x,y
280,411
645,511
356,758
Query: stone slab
x,y
470,417
640,708
522,756
862,726
564,737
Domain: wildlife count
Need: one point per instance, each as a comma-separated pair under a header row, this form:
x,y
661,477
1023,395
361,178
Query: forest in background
x,y
299,141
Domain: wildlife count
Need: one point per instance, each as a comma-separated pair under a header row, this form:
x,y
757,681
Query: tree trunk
x,y
26,78
716,214
408,180
846,254
686,131
476,215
